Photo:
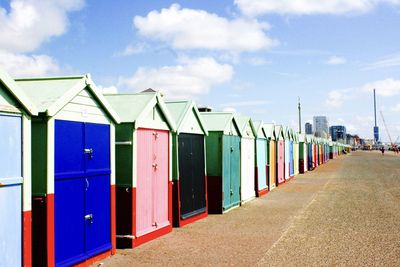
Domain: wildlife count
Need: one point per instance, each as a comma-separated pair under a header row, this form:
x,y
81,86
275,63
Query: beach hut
x,y
269,130
73,176
310,139
15,174
296,153
247,159
223,161
189,189
143,153
303,153
288,155
262,166
280,154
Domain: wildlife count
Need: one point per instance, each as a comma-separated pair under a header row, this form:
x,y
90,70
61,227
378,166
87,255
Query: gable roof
x,y
279,134
49,95
269,129
180,111
259,129
220,121
17,93
242,123
134,107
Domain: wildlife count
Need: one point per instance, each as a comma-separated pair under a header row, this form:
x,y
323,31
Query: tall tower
x,y
376,128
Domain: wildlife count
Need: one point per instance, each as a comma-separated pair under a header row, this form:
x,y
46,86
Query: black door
x,y
191,172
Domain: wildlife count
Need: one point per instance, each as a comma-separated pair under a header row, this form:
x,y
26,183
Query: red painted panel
x,y
27,238
113,220
50,230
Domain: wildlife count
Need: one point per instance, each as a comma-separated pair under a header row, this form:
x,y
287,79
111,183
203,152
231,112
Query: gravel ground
x,y
346,212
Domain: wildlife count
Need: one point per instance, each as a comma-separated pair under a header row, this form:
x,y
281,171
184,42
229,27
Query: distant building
x,y
337,132
320,126
308,128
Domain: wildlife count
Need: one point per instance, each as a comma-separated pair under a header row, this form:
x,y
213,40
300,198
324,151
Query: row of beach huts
x,y
82,173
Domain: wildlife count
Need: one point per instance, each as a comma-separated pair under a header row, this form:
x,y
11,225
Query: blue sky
x,y
255,57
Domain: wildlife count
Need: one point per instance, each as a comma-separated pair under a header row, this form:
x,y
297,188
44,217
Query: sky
x,y
253,57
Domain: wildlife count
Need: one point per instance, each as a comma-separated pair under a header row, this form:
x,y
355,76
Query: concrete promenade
x,y
346,212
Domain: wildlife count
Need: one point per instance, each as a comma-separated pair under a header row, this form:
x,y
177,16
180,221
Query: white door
x,y
247,170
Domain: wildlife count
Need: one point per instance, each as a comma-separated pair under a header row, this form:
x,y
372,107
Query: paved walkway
x,y
346,212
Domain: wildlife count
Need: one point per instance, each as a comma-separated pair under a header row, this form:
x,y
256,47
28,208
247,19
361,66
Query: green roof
x,y
133,107
179,110
259,129
17,93
242,122
279,132
269,129
219,121
50,95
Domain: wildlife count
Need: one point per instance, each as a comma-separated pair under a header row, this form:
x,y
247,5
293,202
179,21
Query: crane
x,y
387,131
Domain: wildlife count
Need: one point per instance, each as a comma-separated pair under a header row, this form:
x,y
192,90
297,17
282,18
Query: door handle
x,y
88,151
155,166
89,217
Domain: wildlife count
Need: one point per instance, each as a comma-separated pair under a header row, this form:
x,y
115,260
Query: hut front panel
x,y
84,107
152,180
7,103
247,169
192,175
10,190
191,124
261,164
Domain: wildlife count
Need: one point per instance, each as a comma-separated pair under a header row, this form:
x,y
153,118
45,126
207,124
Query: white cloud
x,y
185,28
387,87
396,108
191,78
24,65
108,90
257,61
29,23
337,97
246,103
308,7
387,62
335,60
131,50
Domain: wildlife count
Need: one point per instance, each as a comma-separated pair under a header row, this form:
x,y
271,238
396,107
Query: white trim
x,y
50,155
134,159
112,153
26,164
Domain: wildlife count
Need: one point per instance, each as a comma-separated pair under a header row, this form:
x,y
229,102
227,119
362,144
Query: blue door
x,y
98,223
82,191
291,159
310,156
10,191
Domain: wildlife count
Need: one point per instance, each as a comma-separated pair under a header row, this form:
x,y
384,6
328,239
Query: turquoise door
x,y
261,161
231,171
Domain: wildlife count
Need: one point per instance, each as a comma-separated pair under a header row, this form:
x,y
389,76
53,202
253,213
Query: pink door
x,y
152,181
160,196
281,161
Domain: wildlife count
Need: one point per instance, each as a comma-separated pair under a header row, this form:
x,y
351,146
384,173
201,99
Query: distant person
x,y
383,151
